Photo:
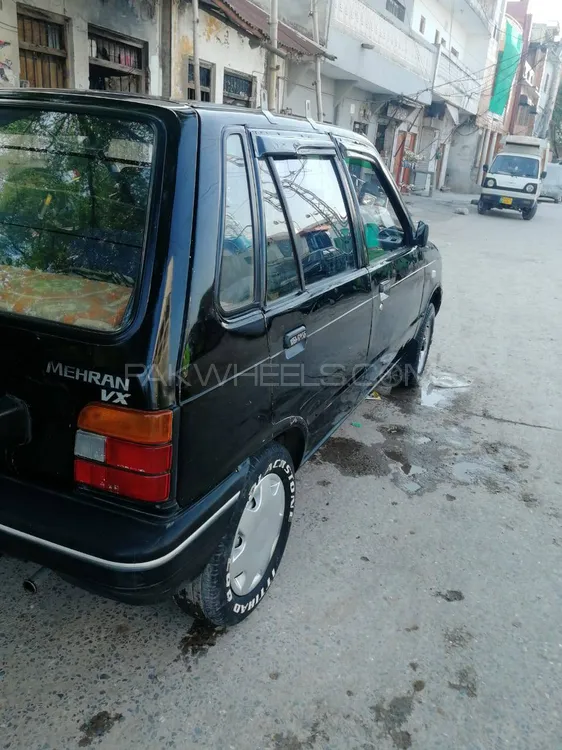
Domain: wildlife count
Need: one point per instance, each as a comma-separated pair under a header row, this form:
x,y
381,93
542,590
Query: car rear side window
x,y
282,271
236,287
319,215
74,196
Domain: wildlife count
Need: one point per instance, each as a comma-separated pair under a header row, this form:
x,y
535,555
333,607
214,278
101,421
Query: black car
x,y
192,299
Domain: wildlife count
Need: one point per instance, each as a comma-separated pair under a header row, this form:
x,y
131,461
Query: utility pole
x,y
317,63
273,62
196,66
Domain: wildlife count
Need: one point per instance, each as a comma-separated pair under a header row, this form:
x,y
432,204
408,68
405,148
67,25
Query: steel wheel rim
x,y
424,347
257,534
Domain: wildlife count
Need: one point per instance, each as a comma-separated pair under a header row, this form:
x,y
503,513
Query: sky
x,y
546,10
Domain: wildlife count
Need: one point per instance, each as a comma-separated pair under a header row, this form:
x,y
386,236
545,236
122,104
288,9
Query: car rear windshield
x,y
516,166
74,194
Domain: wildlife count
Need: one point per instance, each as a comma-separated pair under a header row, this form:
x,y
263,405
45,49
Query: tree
x,y
73,191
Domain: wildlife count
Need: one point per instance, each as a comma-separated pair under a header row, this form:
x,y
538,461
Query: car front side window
x,y
383,231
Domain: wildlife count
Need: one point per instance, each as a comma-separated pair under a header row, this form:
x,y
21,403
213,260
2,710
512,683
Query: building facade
x,y
83,44
545,39
472,147
434,84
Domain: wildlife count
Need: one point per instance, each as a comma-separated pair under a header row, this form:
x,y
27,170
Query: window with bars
x,y
116,63
396,8
42,51
205,79
238,89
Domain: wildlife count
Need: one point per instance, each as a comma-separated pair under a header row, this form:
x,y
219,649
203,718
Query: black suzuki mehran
x,y
192,299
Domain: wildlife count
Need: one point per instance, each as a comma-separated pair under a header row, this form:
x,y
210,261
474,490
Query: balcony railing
x,y
362,22
455,83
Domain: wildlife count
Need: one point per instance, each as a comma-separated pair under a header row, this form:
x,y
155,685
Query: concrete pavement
x,y
419,602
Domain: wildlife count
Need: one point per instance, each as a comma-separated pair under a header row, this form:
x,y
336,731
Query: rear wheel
x,y
242,568
482,207
529,214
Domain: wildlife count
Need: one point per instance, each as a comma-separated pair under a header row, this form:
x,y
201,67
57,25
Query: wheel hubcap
x,y
257,534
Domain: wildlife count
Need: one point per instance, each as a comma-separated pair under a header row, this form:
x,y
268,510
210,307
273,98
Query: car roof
x,y
255,118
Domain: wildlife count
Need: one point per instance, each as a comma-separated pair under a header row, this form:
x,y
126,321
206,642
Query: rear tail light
x,y
125,452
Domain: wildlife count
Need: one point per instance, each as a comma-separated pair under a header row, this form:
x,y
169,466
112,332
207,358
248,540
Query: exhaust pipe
x,y
31,584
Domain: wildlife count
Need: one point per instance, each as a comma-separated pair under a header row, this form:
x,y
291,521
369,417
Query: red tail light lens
x,y
124,451
150,489
141,458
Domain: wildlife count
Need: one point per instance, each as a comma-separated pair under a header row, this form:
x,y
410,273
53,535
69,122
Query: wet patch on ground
x,y
198,641
290,741
353,458
450,596
393,717
466,682
97,727
529,500
457,638
447,451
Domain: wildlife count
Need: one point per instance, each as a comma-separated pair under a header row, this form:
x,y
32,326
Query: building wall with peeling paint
x,y
139,19
221,46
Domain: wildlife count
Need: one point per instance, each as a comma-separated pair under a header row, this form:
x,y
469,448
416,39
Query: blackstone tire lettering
x,y
239,609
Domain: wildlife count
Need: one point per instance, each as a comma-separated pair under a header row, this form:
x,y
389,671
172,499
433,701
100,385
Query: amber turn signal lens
x,y
146,427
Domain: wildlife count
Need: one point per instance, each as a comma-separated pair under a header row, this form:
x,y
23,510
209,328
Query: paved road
x,y
420,601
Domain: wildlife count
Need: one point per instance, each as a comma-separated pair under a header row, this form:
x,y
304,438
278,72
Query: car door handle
x,y
295,338
385,286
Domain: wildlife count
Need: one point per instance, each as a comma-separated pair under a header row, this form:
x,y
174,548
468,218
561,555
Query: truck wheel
x,y
482,208
414,362
530,214
243,566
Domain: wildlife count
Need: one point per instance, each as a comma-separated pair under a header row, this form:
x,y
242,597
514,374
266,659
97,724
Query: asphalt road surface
x,y
419,603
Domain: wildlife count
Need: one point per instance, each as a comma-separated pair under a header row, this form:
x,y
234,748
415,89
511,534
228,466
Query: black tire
x,y
482,208
210,597
530,214
408,373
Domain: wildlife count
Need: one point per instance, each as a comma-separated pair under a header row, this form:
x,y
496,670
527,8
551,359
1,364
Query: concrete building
x,y
461,31
83,44
548,51
474,144
145,46
233,51
380,80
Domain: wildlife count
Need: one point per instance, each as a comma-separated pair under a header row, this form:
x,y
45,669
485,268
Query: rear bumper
x,y
134,557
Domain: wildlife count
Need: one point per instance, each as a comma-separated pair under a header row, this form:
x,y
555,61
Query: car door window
x,y
319,215
383,230
236,287
282,270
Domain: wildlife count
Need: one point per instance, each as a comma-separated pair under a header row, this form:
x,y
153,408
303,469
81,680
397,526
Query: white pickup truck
x,y
513,181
